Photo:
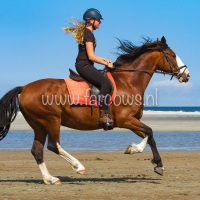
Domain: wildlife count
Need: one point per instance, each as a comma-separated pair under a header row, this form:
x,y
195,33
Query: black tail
x,y
8,110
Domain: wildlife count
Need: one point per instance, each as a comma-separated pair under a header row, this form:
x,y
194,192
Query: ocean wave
x,y
173,109
153,112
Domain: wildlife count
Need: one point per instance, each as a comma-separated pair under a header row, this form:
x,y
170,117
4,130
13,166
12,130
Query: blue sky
x,y
33,46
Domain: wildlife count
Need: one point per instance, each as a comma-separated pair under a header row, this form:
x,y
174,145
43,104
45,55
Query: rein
x,y
151,72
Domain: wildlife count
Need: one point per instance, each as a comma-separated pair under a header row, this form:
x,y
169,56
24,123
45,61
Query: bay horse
x,y
133,71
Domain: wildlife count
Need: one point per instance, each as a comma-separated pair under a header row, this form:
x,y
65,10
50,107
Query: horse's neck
x,y
132,82
137,80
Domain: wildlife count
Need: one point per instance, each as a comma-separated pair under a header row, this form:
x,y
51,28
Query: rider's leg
x,y
95,77
92,75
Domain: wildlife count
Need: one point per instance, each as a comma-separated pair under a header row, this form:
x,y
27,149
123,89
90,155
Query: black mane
x,y
130,51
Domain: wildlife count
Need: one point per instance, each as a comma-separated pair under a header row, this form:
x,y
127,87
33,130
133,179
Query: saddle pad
x,y
79,92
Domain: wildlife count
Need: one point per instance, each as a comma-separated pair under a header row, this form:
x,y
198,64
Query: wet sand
x,y
110,175
158,120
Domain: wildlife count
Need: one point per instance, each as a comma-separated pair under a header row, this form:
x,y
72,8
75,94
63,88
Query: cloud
x,y
173,93
171,84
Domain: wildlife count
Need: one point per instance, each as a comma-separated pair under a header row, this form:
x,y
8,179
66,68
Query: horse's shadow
x,y
81,181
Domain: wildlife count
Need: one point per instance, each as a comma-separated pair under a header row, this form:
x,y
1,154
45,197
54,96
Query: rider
x,y
83,33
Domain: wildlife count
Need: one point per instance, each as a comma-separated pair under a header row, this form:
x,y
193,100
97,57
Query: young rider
x,y
86,58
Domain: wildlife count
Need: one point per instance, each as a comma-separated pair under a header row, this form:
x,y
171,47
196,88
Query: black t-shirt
x,y
82,58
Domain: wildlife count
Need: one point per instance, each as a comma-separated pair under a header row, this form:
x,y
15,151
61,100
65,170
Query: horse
x,y
132,73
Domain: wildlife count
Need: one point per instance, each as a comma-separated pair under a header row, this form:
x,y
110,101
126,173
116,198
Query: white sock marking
x,y
76,165
141,146
48,179
44,170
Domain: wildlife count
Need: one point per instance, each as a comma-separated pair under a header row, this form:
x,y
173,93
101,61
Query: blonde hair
x,y
77,27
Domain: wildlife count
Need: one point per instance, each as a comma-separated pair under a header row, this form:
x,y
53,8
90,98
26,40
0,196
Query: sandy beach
x,y
110,175
158,120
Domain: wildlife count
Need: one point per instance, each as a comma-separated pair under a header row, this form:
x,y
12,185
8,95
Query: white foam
x,y
150,112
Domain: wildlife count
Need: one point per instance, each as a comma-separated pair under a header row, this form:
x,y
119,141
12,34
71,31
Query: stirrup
x,y
106,125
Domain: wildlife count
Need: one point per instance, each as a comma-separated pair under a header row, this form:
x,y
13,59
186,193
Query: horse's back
x,y
34,92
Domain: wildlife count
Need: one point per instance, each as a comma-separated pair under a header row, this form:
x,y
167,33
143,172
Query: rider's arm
x,y
94,58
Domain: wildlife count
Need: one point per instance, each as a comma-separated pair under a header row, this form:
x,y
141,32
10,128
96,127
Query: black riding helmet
x,y
92,13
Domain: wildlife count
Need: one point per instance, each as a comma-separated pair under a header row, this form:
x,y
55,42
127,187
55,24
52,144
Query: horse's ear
x,y
163,40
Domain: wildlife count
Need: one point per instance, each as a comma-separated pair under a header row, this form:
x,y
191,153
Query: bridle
x,y
175,72
166,55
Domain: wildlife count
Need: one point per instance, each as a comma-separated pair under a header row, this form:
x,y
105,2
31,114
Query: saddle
x,y
82,92
94,91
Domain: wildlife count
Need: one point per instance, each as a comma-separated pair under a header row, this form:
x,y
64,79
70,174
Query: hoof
x,y
58,182
159,170
82,172
52,181
132,149
128,150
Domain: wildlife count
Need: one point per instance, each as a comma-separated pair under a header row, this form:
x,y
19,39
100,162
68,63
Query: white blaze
x,y
181,64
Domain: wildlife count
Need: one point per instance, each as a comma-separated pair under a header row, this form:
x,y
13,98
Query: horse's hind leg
x,y
37,151
54,145
145,132
38,147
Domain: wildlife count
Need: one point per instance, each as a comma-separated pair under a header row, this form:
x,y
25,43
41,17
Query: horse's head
x,y
172,64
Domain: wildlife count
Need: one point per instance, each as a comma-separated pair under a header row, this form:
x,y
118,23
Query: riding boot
x,y
105,121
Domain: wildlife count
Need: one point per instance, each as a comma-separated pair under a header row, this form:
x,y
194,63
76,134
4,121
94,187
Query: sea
x,y
173,108
111,140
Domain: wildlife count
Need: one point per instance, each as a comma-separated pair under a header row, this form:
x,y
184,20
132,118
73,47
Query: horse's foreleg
x,y
145,132
37,151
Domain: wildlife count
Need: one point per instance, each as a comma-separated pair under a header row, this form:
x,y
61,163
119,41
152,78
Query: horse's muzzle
x,y
185,76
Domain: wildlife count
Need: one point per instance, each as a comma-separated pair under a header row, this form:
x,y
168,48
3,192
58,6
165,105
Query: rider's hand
x,y
109,63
